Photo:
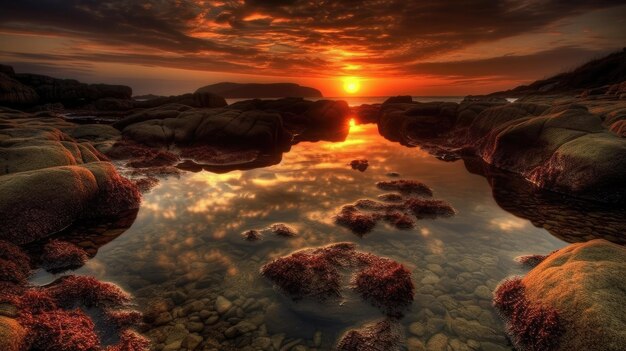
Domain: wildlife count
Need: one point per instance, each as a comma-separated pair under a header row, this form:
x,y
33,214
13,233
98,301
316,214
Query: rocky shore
x,y
571,145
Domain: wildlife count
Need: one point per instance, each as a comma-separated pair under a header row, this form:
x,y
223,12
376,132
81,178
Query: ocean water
x,y
183,254
360,100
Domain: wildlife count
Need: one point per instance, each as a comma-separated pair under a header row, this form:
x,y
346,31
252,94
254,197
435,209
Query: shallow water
x,y
185,244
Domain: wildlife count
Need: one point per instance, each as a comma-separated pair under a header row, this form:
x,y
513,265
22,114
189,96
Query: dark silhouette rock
x,y
401,99
71,92
184,126
14,93
360,165
197,99
602,72
307,120
259,90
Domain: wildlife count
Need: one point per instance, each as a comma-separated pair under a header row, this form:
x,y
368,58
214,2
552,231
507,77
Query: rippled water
x,y
185,246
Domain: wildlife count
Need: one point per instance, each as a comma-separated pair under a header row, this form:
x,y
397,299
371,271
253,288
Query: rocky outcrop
x,y
259,90
71,92
573,300
307,120
27,90
561,145
197,99
49,180
597,74
401,122
14,93
182,125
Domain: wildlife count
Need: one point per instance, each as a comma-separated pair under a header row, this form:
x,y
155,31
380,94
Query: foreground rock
x,y
573,300
49,180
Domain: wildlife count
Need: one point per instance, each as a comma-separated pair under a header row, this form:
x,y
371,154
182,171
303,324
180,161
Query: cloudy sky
x,y
427,47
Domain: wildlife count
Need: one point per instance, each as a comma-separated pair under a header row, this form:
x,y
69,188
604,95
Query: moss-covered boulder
x,y
49,180
573,300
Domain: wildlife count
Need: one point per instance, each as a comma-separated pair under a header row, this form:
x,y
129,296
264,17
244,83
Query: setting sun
x,y
351,85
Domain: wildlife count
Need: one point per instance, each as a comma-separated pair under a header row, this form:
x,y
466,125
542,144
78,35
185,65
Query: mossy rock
x,y
585,284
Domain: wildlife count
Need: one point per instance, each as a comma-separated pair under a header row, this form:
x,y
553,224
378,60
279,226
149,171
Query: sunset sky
x,y
392,47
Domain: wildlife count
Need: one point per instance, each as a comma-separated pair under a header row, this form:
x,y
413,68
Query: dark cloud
x,y
294,36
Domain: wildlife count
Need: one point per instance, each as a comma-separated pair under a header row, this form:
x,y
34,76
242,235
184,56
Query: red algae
x,y
405,187
399,220
360,223
383,335
532,326
362,216
252,235
13,272
35,300
532,261
282,229
508,295
158,158
61,330
14,263
306,273
59,255
124,318
130,341
12,252
391,197
89,291
429,208
316,273
385,283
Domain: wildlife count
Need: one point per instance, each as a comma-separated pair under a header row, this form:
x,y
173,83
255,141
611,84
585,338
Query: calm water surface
x,y
185,246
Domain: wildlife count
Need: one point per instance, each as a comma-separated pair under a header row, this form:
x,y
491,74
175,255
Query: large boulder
x,y
308,120
404,122
48,180
189,127
575,296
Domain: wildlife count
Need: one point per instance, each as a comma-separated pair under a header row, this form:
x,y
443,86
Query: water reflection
x,y
569,219
185,260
